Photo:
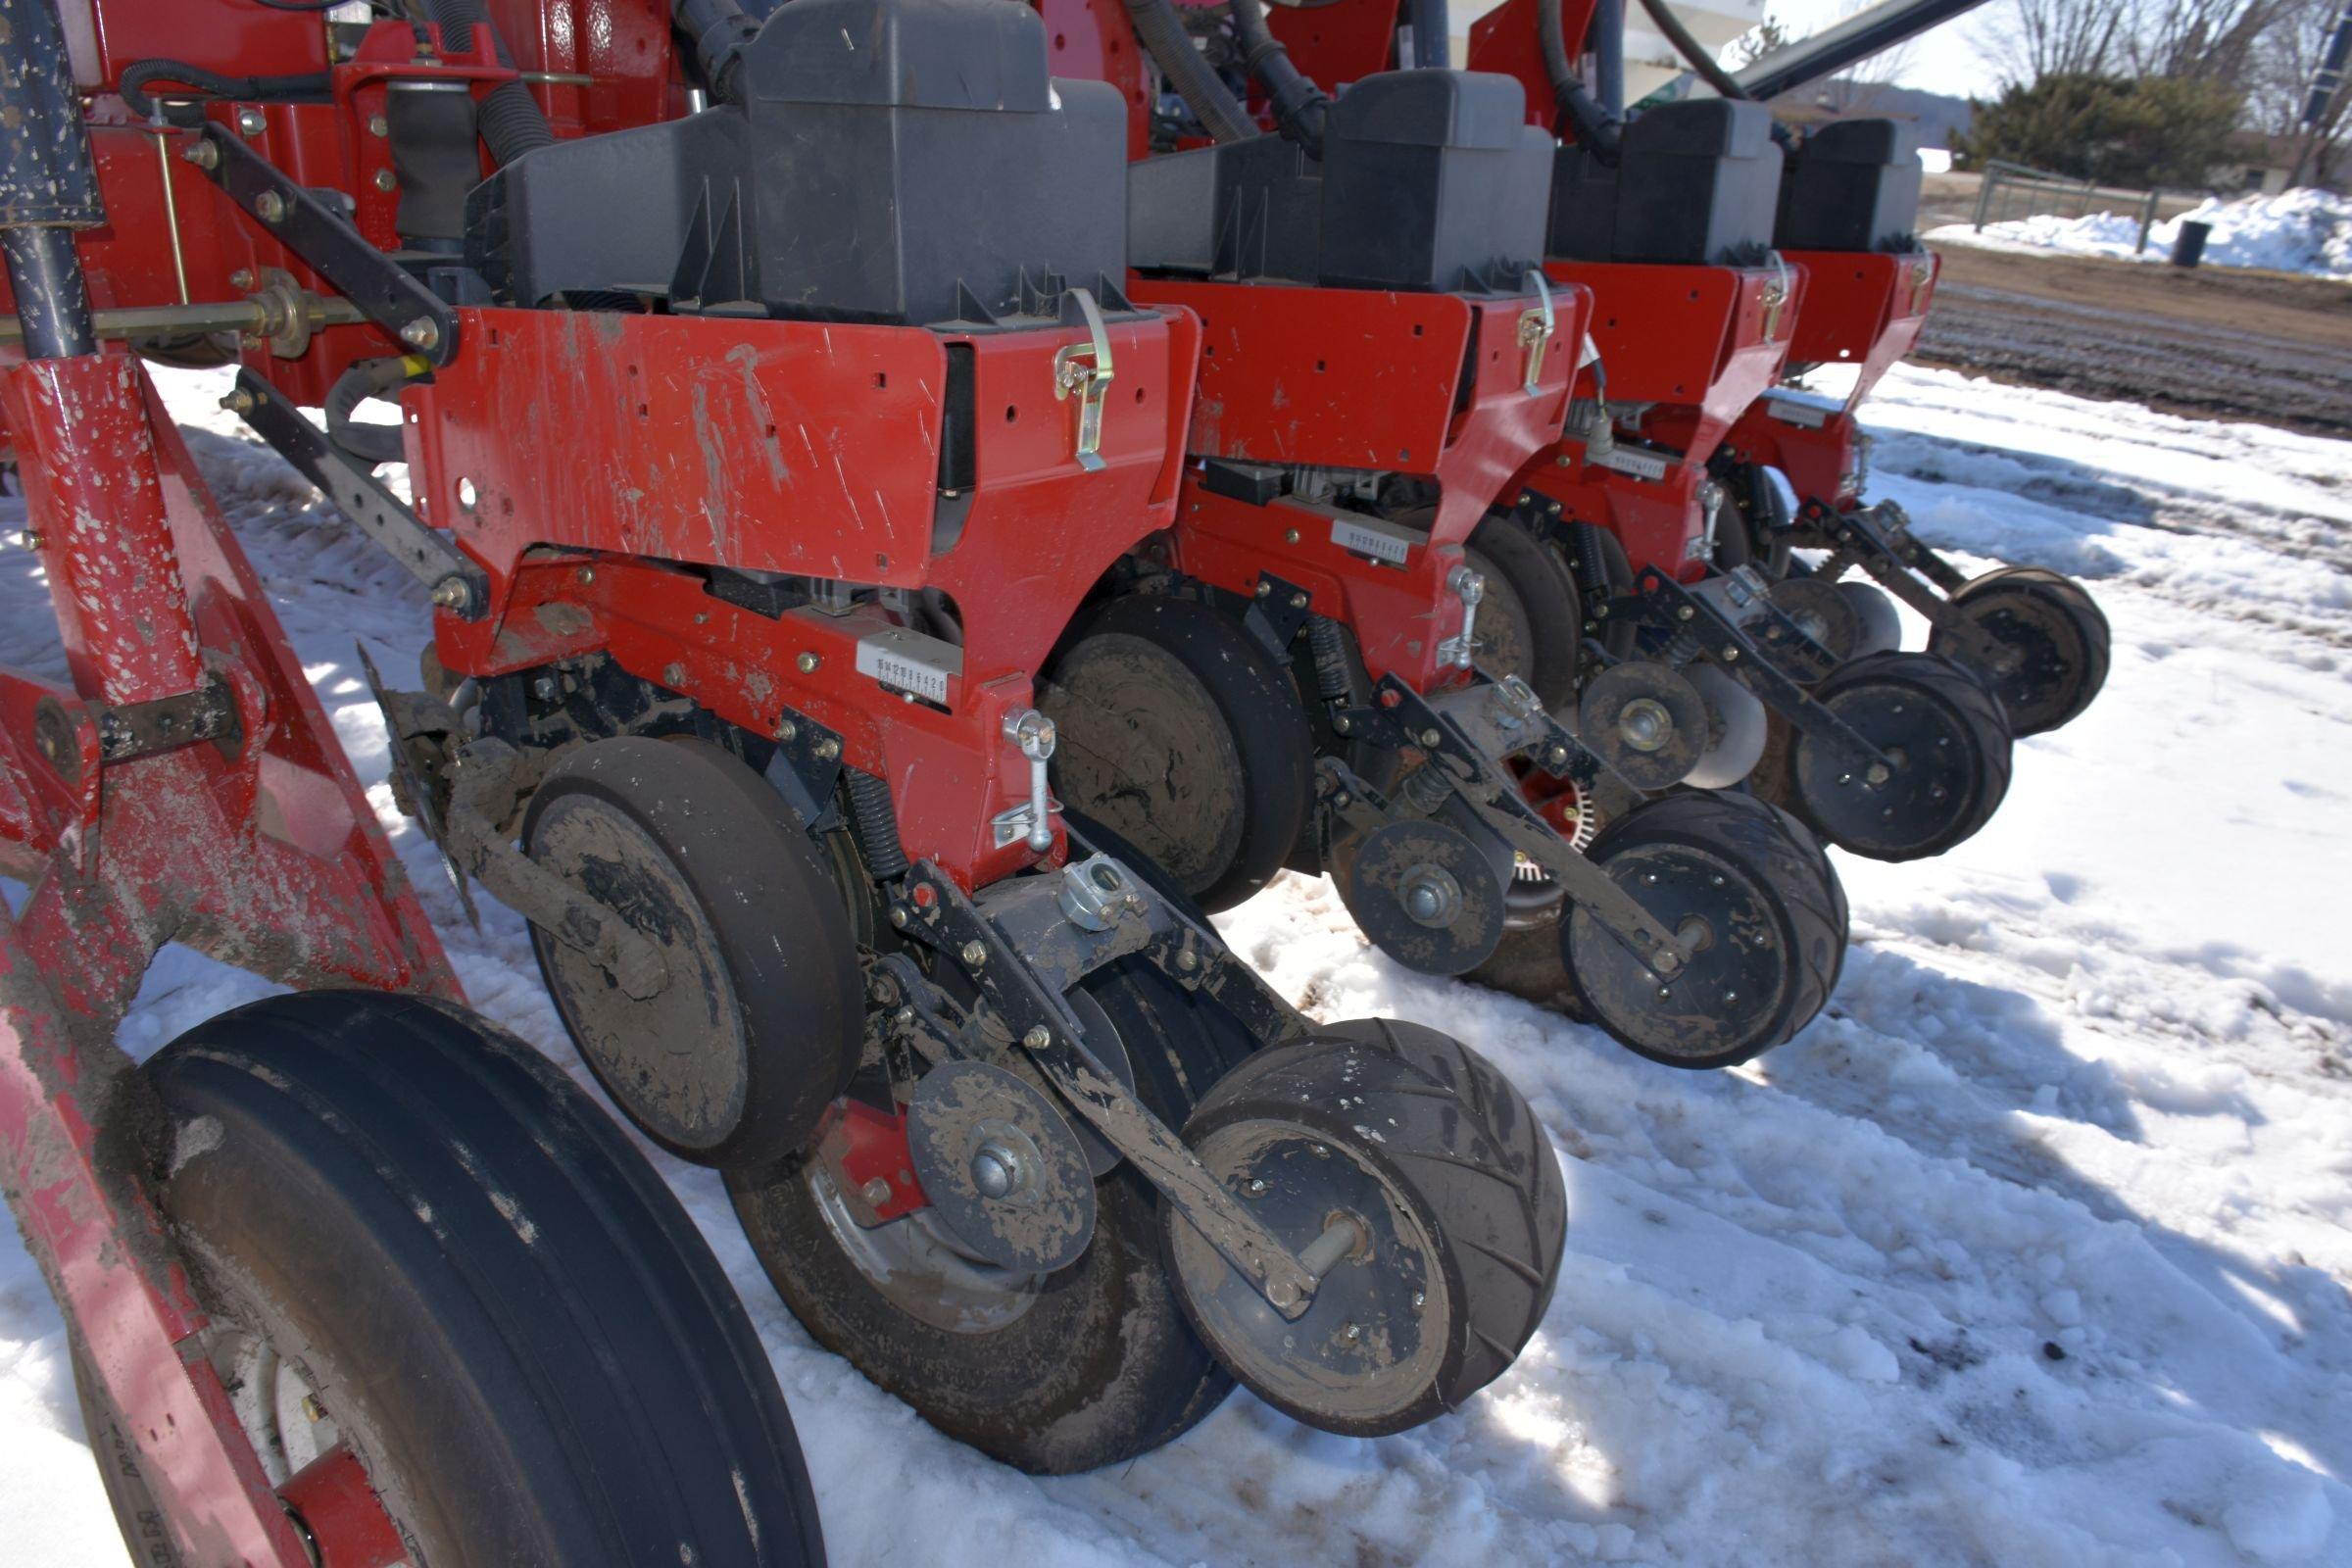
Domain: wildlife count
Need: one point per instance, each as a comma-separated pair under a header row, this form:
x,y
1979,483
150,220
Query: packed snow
x,y
2032,1250
2300,230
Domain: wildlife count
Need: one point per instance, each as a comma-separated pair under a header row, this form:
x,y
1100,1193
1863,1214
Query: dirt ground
x,y
2222,342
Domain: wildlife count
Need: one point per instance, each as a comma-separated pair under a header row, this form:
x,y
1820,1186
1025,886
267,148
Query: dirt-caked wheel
x,y
757,1019
2054,643
1055,1373
1417,1177
460,1318
1750,889
1947,747
1179,733
1530,624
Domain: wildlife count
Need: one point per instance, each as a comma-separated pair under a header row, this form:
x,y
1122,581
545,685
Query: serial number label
x,y
1366,540
1640,464
894,665
1790,411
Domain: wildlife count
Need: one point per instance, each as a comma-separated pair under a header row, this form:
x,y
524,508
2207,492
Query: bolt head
x,y
876,1191
421,333
1298,601
787,730
827,749
973,955
1684,613
270,207
1430,737
996,1171
386,180
1256,1186
450,592
1290,536
1037,1038
241,278
203,153
808,663
251,122
1264,588
378,125
899,915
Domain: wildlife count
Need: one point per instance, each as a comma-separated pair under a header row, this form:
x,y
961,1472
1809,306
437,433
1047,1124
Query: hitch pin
x,y
1033,732
1085,369
1537,326
1469,587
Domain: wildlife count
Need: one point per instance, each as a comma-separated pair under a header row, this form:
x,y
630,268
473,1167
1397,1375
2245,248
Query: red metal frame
x,y
265,854
1864,309
605,460
1700,343
1365,380
1506,41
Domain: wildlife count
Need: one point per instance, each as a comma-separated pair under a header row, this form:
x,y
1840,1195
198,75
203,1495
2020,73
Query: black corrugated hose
x,y
1300,107
1162,35
1595,129
508,115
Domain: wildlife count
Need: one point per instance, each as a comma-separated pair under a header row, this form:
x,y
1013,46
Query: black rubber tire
x,y
1531,623
2066,635
1773,851
1753,511
518,1328
735,1060
1462,1145
1102,1367
1239,797
1965,701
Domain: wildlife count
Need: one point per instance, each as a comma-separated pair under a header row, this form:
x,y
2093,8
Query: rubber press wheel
x,y
1179,733
1751,889
759,1018
2052,628
1944,735
427,1258
1454,1198
1070,1371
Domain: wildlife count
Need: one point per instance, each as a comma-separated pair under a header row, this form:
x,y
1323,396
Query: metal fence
x,y
2013,190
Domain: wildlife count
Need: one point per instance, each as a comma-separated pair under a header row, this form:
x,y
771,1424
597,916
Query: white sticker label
x,y
911,662
1640,464
1367,540
1792,411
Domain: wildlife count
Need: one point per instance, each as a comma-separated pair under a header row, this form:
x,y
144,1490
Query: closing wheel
x,y
1179,734
1417,1175
2055,638
1530,624
1750,889
460,1319
1424,893
1948,742
761,1014
1055,1373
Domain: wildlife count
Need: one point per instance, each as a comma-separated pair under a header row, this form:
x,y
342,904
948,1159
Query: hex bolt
x,y
34,539
241,280
421,333
1039,1036
1290,536
1685,614
807,663
1430,737
1187,959
203,153
1298,601
827,749
450,593
378,125
1264,588
876,1191
1731,655
903,1017
1352,1334
1878,773
973,955
787,730
270,207
1256,1186
386,180
899,915
251,122
587,576
1420,1299
238,402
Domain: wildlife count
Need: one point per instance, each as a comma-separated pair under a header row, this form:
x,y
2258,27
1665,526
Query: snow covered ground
x,y
2032,1250
2299,231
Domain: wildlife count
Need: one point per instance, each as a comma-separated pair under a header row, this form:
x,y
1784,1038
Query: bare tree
x,y
2200,41
2282,83
2057,37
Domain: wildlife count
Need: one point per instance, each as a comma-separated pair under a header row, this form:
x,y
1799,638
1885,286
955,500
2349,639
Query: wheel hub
x,y
1737,967
1431,896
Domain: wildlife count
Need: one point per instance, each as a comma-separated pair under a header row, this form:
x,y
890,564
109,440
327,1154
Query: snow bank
x,y
2032,1250
2294,231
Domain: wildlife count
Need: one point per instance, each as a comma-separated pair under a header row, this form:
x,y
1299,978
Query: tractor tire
x,y
445,1259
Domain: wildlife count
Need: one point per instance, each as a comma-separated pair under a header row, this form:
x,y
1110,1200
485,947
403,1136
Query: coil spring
x,y
1425,789
1330,649
1683,648
876,825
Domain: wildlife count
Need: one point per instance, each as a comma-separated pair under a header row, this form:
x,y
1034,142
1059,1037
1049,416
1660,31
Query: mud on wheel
x,y
367,1185
1410,1170
1055,1373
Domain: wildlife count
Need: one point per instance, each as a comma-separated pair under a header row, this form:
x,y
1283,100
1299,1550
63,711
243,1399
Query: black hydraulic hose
x,y
1300,107
317,87
1605,40
365,378
719,29
508,115
1596,129
1692,50
1433,44
1196,80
